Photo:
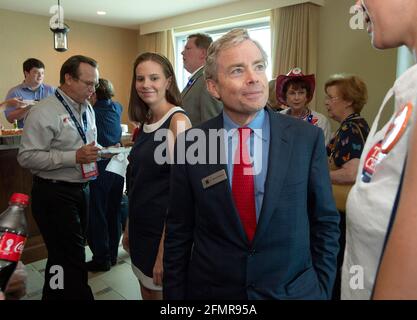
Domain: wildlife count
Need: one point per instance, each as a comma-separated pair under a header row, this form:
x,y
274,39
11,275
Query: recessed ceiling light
x,y
101,13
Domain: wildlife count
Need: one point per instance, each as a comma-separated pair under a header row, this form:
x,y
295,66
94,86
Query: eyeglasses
x,y
89,84
329,98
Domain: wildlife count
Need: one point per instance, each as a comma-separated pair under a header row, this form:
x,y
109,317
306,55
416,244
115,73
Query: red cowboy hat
x,y
294,73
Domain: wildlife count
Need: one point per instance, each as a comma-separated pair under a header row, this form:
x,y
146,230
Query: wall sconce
x,y
59,28
60,38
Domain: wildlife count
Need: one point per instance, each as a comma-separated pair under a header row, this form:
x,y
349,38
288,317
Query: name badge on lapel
x,y
214,178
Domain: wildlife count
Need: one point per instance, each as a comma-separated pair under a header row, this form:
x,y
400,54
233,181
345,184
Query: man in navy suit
x,y
264,231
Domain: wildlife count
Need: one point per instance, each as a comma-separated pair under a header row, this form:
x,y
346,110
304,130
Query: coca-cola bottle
x,y
13,233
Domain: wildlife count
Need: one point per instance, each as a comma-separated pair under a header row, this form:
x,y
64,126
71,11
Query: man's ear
x,y
203,54
212,88
68,78
25,73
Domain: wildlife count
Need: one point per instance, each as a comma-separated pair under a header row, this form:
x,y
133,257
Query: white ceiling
x,y
120,13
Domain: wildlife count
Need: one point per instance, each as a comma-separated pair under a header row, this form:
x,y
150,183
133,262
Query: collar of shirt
x,y
258,143
103,103
257,123
350,117
27,87
79,107
192,75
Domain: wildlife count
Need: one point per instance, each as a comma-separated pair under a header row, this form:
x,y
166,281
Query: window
x,y
260,32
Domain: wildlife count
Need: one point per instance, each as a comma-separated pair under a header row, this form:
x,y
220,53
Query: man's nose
x,y
252,76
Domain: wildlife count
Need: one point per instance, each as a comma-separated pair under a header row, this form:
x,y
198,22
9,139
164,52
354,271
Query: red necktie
x,y
243,189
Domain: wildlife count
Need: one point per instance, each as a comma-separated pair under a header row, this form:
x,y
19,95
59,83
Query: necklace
x,y
306,113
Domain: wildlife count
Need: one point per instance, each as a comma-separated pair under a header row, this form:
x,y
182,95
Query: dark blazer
x,y
197,102
293,254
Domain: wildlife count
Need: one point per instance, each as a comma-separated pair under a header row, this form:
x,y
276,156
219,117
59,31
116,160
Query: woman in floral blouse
x,y
345,98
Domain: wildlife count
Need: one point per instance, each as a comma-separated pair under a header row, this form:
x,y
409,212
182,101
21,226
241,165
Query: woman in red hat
x,y
296,90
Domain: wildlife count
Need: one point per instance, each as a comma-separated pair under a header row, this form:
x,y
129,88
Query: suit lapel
x,y
230,211
195,78
280,146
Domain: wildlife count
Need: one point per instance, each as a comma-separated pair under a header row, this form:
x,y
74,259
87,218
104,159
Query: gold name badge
x,y
214,178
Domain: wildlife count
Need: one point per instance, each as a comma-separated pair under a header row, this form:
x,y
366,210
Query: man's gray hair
x,y
230,39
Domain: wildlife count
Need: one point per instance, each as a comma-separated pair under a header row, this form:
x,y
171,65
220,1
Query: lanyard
x,y
77,124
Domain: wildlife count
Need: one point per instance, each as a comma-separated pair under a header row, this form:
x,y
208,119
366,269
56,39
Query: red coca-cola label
x,y
11,246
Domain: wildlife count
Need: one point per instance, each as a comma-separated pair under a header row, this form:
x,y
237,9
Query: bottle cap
x,y
20,198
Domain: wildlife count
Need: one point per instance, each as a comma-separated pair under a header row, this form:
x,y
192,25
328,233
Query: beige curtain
x,y
159,42
294,32
274,23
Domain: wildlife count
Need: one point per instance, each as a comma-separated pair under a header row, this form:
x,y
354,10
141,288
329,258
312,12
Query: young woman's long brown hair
x,y
138,109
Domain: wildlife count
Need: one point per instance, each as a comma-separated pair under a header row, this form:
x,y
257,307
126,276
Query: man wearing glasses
x,y
59,147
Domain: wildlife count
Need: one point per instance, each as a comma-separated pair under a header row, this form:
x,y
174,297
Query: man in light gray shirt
x,y
59,147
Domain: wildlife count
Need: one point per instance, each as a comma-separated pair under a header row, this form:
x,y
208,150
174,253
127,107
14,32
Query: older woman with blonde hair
x,y
346,95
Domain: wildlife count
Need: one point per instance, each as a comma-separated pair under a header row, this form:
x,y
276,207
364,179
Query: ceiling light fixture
x,y
59,28
101,13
